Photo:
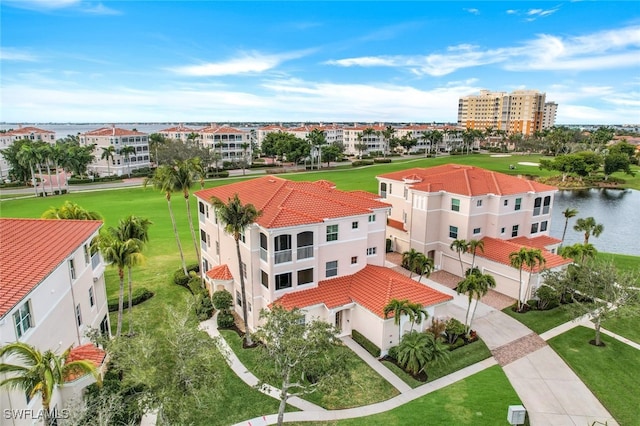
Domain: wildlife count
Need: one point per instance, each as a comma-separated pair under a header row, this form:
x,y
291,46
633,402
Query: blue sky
x,y
163,61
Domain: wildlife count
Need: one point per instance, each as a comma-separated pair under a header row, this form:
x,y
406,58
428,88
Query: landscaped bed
x,y
611,372
541,321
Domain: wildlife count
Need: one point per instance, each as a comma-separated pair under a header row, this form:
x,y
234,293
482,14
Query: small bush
x,y
181,279
221,174
365,343
438,328
548,297
138,296
382,160
533,304
222,300
393,352
359,163
458,343
453,330
225,319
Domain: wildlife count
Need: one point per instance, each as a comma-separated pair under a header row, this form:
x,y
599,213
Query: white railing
x,y
282,256
305,252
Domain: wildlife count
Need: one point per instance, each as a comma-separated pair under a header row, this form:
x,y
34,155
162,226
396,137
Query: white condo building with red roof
x,y
52,290
432,207
314,247
21,133
120,163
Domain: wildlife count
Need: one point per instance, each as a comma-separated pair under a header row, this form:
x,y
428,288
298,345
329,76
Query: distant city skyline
x,y
75,61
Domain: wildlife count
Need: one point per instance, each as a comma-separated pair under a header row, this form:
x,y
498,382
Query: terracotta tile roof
x,y
113,131
541,242
27,131
220,272
360,127
178,129
372,288
396,224
499,250
30,249
287,203
86,352
467,180
221,129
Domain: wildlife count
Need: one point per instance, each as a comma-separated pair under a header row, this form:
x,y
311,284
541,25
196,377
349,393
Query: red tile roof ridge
x,y
87,352
220,272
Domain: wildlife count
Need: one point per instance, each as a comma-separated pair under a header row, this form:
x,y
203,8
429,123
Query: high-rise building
x,y
520,111
549,117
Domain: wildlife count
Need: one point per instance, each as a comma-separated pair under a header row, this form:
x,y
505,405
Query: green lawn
x,y
481,399
459,359
628,327
367,386
622,261
541,321
610,372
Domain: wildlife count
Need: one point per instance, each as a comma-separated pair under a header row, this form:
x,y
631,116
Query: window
x,y
201,207
372,218
238,298
476,230
371,251
203,236
534,228
282,248
502,230
91,299
514,230
244,269
536,206
72,269
518,203
354,225
283,281
390,188
406,193
305,245
479,203
543,226
506,202
455,204
22,319
546,205
87,254
264,278
453,232
78,315
332,268
263,246
242,237
354,260
305,276
332,233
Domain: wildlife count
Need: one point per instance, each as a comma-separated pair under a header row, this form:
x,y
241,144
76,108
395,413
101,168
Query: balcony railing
x,y
305,252
282,256
95,261
263,254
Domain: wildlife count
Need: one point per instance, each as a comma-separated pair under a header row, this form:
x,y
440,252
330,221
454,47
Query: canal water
x,y
618,210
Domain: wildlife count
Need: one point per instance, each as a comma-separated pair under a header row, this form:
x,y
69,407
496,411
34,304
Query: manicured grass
x,y
610,372
481,399
622,261
624,326
460,358
541,321
367,386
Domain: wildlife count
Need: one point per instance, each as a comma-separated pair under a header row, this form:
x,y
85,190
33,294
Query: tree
x,y
417,350
476,284
331,153
316,138
424,266
133,228
186,172
601,291
165,179
410,259
107,154
245,146
474,245
70,210
237,217
460,246
27,157
302,354
18,170
617,162
525,257
387,134
579,251
156,140
126,151
568,213
407,142
398,308
39,373
417,313
121,254
360,146
589,226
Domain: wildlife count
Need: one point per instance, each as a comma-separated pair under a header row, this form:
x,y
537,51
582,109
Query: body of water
x,y
63,129
617,210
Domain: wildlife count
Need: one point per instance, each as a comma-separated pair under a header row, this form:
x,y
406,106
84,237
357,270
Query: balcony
x,y
97,265
282,256
305,252
264,255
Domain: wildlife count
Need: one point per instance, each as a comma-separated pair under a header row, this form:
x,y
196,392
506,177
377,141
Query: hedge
x,y
139,295
221,174
359,163
382,160
365,343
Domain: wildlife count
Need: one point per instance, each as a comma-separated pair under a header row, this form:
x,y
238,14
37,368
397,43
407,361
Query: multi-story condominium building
x,y
433,207
358,134
29,133
549,116
314,247
180,133
451,137
230,143
52,290
263,131
121,163
520,111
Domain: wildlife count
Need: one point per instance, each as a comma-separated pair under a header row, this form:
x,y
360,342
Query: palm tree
x,y
578,250
589,227
387,133
186,172
26,157
126,151
165,179
40,372
237,217
360,146
535,259
398,308
483,282
568,213
424,266
460,246
418,349
418,313
245,146
529,258
410,259
107,154
121,254
133,228
70,210
474,245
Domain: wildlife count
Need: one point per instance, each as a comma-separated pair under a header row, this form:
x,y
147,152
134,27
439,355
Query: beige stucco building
x,y
119,164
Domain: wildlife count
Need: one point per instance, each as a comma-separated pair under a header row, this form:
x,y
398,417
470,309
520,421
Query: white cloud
x,y
472,11
365,61
10,54
50,5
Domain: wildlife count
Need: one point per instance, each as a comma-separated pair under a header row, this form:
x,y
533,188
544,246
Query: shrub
x,y
359,163
458,343
222,300
393,352
138,296
438,328
225,319
365,343
381,160
453,330
548,297
220,174
204,307
181,279
533,304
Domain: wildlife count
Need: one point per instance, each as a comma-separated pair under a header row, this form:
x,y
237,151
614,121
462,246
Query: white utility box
x,y
516,414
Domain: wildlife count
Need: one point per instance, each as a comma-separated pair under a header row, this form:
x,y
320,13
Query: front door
x,y
338,322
